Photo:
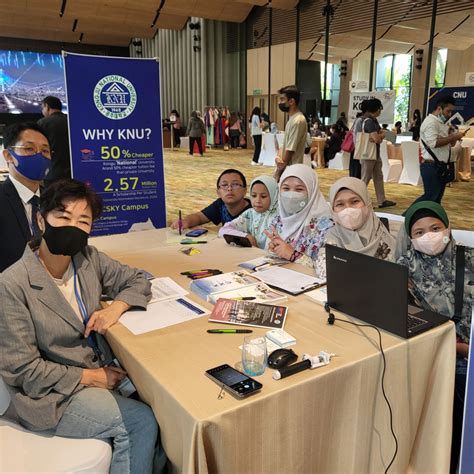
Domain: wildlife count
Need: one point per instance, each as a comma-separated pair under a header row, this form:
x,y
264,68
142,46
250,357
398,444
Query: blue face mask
x,y
34,167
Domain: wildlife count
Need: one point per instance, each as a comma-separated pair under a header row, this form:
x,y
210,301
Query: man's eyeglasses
x,y
30,150
232,186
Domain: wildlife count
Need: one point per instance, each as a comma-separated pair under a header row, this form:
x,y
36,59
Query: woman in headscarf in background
x,y
425,245
253,221
299,231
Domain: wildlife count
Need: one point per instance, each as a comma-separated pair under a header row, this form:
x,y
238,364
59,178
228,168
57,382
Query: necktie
x,y
34,201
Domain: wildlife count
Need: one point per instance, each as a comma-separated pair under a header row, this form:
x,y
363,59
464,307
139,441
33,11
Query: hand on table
x,y
462,349
252,239
184,224
277,245
105,377
102,319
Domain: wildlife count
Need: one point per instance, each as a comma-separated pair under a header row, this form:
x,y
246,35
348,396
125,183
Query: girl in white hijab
x,y
357,227
299,232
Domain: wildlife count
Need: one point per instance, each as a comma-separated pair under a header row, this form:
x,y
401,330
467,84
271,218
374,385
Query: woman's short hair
x,y
61,191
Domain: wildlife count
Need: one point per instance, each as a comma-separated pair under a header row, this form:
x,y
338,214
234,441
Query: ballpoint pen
x,y
244,298
229,331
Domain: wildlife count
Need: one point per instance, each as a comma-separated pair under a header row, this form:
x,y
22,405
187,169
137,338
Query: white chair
x,y
391,169
26,451
340,161
411,164
464,237
395,222
269,149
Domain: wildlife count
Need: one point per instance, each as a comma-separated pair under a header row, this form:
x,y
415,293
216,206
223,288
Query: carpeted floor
x,y
191,185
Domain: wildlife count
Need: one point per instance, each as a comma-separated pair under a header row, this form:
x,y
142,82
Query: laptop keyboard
x,y
414,322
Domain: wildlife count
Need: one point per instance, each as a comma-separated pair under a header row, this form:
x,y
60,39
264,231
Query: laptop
x,y
375,291
403,138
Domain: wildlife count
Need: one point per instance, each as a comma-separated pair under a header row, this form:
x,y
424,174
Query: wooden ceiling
x,y
114,22
454,30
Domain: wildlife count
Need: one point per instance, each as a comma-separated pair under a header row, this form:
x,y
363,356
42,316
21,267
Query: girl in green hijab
x,y
252,222
425,245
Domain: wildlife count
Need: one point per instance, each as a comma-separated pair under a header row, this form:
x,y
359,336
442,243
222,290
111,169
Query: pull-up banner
x,y
386,97
116,138
463,110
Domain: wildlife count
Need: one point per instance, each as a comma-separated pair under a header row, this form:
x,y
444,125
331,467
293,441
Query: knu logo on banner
x,y
115,97
116,138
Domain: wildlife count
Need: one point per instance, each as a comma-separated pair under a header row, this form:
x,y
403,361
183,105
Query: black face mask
x,y
284,107
66,240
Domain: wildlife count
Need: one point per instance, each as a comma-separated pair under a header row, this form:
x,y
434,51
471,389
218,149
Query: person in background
x,y
342,118
294,141
299,231
177,125
389,135
372,169
54,358
55,126
357,227
235,130
415,124
231,202
196,129
316,129
436,139
354,165
334,143
28,156
398,128
264,199
426,246
256,125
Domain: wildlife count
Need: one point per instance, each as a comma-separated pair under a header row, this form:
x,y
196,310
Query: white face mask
x,y
293,201
352,218
432,243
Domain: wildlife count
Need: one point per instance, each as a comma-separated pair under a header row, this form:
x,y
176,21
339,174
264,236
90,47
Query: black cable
x,y
331,319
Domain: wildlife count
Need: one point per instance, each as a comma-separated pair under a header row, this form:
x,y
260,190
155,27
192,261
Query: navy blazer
x,y
15,230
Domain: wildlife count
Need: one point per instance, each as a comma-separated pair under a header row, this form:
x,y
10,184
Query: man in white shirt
x,y
436,141
28,157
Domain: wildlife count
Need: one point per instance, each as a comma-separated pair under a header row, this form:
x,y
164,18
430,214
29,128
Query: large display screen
x,y
25,78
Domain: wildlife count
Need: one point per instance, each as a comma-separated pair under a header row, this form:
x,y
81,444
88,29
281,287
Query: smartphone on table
x,y
196,232
237,240
233,381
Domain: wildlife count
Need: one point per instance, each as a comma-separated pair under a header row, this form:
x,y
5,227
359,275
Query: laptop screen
x,y
370,289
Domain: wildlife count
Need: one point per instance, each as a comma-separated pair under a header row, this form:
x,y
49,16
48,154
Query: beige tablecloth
x,y
327,420
317,144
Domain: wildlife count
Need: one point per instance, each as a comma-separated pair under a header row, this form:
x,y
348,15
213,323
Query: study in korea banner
x,y
116,138
386,97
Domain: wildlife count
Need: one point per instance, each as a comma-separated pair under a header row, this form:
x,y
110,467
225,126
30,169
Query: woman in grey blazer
x,y
53,357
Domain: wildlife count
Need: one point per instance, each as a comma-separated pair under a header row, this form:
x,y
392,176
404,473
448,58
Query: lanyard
x,y
85,317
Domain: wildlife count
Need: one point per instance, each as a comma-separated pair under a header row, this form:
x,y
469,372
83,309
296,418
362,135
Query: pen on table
x,y
191,242
180,223
244,298
229,331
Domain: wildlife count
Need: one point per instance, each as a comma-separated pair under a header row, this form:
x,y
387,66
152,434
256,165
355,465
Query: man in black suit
x,y
28,157
54,124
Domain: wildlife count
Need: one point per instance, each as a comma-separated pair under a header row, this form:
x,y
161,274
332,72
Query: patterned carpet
x,y
191,185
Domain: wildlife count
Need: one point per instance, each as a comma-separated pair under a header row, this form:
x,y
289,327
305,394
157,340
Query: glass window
x,y
383,73
441,59
401,84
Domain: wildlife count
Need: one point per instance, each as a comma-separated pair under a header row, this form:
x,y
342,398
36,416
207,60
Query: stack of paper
x,y
167,307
